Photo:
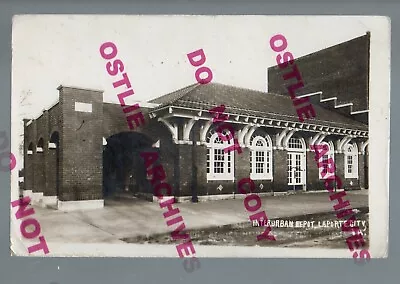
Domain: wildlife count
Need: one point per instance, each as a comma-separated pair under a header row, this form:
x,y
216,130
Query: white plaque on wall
x,y
84,107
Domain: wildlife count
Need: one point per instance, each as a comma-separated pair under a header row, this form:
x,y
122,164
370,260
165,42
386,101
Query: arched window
x,y
260,158
324,167
30,149
295,144
40,146
220,164
351,161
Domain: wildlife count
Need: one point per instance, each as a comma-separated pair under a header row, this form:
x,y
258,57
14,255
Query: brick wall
x,y
313,181
114,120
185,170
52,156
51,172
201,158
54,118
280,170
339,71
81,154
39,172
168,150
339,163
42,137
361,171
31,161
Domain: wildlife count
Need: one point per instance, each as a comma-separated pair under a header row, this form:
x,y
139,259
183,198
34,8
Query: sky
x,y
53,50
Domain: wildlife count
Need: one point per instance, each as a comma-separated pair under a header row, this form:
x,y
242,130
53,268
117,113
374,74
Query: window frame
x,y
351,151
212,147
292,151
266,149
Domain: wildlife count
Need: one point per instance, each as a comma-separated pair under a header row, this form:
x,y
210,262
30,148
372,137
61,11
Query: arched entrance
x,y
123,168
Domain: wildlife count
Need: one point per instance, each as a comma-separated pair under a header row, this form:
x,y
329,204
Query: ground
x,y
223,222
244,234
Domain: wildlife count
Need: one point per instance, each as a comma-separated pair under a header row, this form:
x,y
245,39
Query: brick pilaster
x,y
81,154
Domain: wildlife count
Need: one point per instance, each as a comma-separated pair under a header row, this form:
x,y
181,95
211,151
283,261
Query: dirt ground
x,y
244,234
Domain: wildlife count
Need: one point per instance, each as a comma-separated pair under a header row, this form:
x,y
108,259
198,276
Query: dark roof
x,y
241,101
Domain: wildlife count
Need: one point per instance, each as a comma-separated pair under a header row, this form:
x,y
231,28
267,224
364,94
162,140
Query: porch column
x,y
242,161
29,170
313,181
200,152
182,136
280,167
363,165
170,156
339,160
184,170
280,174
51,169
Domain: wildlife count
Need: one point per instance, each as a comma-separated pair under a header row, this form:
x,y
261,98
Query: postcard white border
x,y
379,126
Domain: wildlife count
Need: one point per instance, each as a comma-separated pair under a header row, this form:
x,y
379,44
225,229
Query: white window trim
x,y
267,149
354,154
211,146
330,155
303,145
303,166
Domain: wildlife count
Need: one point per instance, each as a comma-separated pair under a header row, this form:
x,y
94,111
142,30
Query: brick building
x,y
337,78
79,151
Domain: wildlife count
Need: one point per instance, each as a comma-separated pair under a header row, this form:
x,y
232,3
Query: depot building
x,y
79,151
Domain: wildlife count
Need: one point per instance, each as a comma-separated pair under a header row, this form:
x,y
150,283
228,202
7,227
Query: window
x,y
324,164
295,143
219,164
351,161
260,158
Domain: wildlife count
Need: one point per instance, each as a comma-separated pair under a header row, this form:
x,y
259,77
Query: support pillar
x,y
280,182
184,168
339,163
313,181
81,149
361,170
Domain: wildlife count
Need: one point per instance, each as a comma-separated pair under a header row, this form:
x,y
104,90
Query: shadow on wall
x,y
123,168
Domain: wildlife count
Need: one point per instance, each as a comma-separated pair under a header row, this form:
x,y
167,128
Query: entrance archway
x,y
123,168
